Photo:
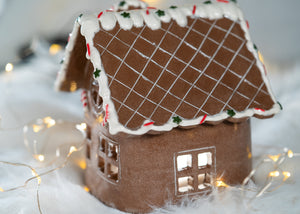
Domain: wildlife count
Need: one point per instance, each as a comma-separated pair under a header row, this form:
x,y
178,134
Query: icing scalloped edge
x,y
128,3
90,26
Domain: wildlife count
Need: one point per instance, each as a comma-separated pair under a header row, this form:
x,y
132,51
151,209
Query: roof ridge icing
x,y
89,26
124,5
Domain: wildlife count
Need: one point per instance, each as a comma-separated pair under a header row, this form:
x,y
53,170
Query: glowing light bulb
x,y
81,127
81,164
1,190
220,183
54,49
274,157
73,86
286,175
9,67
290,154
49,122
34,173
36,128
261,58
86,189
274,174
41,158
72,149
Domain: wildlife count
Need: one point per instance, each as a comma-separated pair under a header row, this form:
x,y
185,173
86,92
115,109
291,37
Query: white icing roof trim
x,y
129,3
90,26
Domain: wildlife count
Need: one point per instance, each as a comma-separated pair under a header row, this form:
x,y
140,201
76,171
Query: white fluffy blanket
x,y
27,93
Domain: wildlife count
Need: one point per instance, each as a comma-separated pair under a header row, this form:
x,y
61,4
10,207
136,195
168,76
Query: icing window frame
x,y
108,158
195,170
88,139
96,102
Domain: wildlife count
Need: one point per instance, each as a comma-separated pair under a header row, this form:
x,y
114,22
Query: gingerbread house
x,y
168,96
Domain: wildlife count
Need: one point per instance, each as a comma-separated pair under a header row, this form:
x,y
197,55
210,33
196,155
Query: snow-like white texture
x,y
27,93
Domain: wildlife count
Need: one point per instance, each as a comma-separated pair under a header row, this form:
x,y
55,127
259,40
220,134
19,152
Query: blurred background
x,y
274,24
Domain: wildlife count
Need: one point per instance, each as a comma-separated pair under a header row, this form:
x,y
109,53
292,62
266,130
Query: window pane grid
x,y
194,171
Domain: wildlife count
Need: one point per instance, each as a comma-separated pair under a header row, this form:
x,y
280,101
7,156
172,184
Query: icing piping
x,y
108,20
129,3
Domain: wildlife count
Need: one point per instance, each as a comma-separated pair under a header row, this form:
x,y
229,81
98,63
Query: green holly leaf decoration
x,y
97,73
78,18
255,47
207,2
173,7
122,3
177,120
160,13
125,15
281,108
62,61
231,113
235,1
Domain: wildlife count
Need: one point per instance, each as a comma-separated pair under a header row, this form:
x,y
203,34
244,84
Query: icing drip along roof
x,y
93,25
124,5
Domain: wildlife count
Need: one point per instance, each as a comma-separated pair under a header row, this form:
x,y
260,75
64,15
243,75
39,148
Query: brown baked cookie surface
x,y
204,68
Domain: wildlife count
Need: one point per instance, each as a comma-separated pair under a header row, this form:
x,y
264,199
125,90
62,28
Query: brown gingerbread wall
x,y
146,163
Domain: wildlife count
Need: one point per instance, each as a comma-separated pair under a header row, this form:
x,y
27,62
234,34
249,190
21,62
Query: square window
x,y
113,172
88,151
101,164
113,151
185,184
184,162
204,160
101,144
204,181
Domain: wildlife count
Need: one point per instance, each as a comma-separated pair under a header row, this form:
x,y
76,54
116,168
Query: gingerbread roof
x,y
183,66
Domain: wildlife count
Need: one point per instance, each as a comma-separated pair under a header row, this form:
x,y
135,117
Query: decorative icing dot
x,y
160,13
100,14
247,23
122,3
194,9
177,120
173,7
223,1
88,49
97,73
149,124
125,15
203,119
281,108
106,113
230,112
207,2
147,12
255,47
259,109
78,18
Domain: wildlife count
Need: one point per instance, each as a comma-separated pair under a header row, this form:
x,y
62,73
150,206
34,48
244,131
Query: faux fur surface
x,y
27,93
